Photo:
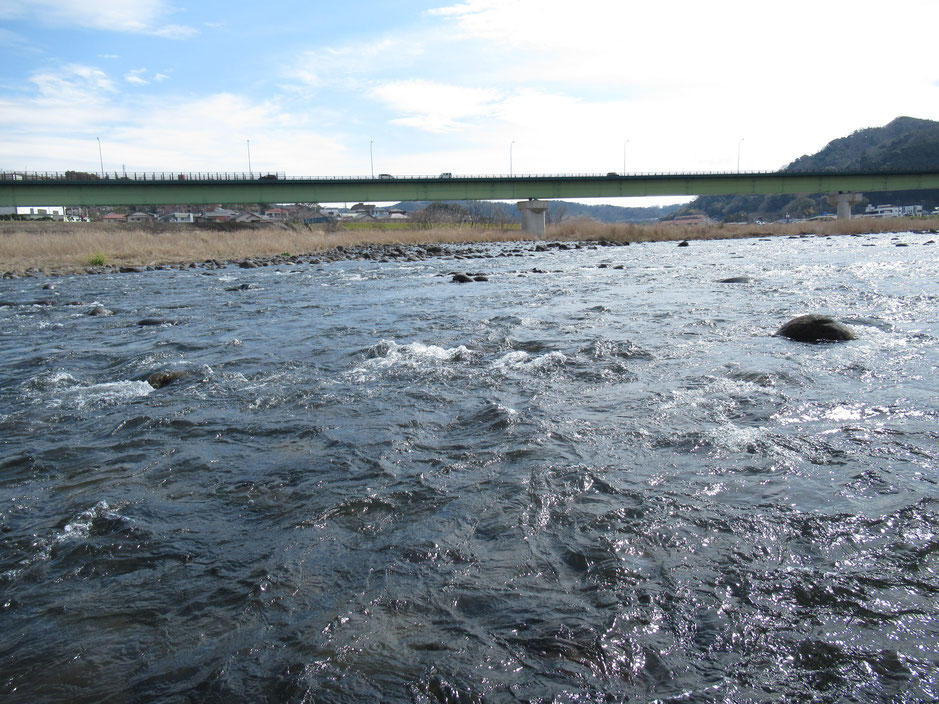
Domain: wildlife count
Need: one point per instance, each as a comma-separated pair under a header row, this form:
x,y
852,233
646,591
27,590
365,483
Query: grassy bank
x,y
62,247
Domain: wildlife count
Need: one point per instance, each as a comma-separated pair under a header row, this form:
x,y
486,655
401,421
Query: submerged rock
x,y
736,280
157,321
100,310
816,328
461,279
684,243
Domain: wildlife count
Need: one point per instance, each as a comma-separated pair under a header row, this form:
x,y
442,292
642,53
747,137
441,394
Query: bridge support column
x,y
844,201
533,216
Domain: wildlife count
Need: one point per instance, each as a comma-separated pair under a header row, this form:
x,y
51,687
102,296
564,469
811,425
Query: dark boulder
x,y
684,243
461,279
100,310
160,379
157,321
736,280
816,328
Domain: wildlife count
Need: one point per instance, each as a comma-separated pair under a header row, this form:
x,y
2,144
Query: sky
x,y
327,88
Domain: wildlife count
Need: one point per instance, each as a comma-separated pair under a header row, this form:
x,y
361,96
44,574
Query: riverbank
x,y
64,248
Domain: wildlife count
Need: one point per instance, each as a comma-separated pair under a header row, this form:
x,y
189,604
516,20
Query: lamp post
x,y
371,159
100,158
250,170
511,144
624,156
738,154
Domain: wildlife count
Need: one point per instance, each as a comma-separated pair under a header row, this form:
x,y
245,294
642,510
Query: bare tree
x,y
555,213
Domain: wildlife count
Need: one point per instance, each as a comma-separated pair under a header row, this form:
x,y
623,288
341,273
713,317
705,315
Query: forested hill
x,y
904,143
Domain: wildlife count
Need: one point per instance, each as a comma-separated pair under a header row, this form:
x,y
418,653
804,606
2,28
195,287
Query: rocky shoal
x,y
378,253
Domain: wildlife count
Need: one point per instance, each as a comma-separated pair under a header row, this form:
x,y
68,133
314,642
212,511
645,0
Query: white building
x,y
36,212
893,211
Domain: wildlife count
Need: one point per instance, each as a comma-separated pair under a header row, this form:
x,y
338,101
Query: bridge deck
x,y
163,189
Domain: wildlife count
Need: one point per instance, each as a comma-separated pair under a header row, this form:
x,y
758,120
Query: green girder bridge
x,y
83,189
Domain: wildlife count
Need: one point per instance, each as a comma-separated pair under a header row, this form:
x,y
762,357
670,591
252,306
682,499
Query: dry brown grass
x,y
62,247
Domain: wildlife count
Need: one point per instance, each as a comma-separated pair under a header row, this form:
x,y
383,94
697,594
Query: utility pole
x,y
100,158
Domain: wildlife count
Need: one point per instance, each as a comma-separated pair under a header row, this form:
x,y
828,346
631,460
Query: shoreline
x,y
60,249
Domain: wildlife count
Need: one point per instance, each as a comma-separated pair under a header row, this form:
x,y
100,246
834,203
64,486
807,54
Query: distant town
x,y
272,215
364,213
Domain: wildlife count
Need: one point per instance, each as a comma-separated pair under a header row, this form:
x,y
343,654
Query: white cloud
x,y
57,127
729,44
136,77
436,107
75,83
138,17
355,61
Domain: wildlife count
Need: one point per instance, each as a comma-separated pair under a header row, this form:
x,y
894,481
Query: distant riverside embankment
x,y
62,248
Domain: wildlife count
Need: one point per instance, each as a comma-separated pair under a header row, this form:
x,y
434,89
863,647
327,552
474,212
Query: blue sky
x,y
475,87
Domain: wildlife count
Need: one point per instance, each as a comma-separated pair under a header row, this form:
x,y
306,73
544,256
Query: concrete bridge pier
x,y
844,201
533,216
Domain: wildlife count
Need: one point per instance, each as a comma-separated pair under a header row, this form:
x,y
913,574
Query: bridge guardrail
x,y
261,177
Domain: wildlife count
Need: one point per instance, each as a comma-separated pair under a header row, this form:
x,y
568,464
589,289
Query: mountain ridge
x,y
905,143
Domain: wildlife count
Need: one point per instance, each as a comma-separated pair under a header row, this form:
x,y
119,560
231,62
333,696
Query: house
x,y
115,217
177,217
140,216
254,218
315,216
220,215
391,214
276,214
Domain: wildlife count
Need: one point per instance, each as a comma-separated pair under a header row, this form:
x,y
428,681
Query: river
x,y
597,476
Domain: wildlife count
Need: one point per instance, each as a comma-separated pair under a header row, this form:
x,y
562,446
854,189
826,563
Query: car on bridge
x,y
385,177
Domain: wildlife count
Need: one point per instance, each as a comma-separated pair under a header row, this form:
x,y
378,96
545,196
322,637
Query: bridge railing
x,y
204,176
169,176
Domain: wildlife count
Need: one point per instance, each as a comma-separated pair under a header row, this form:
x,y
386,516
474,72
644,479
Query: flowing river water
x,y
595,477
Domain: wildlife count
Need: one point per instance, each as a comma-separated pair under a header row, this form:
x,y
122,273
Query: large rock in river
x,y
816,328
160,379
